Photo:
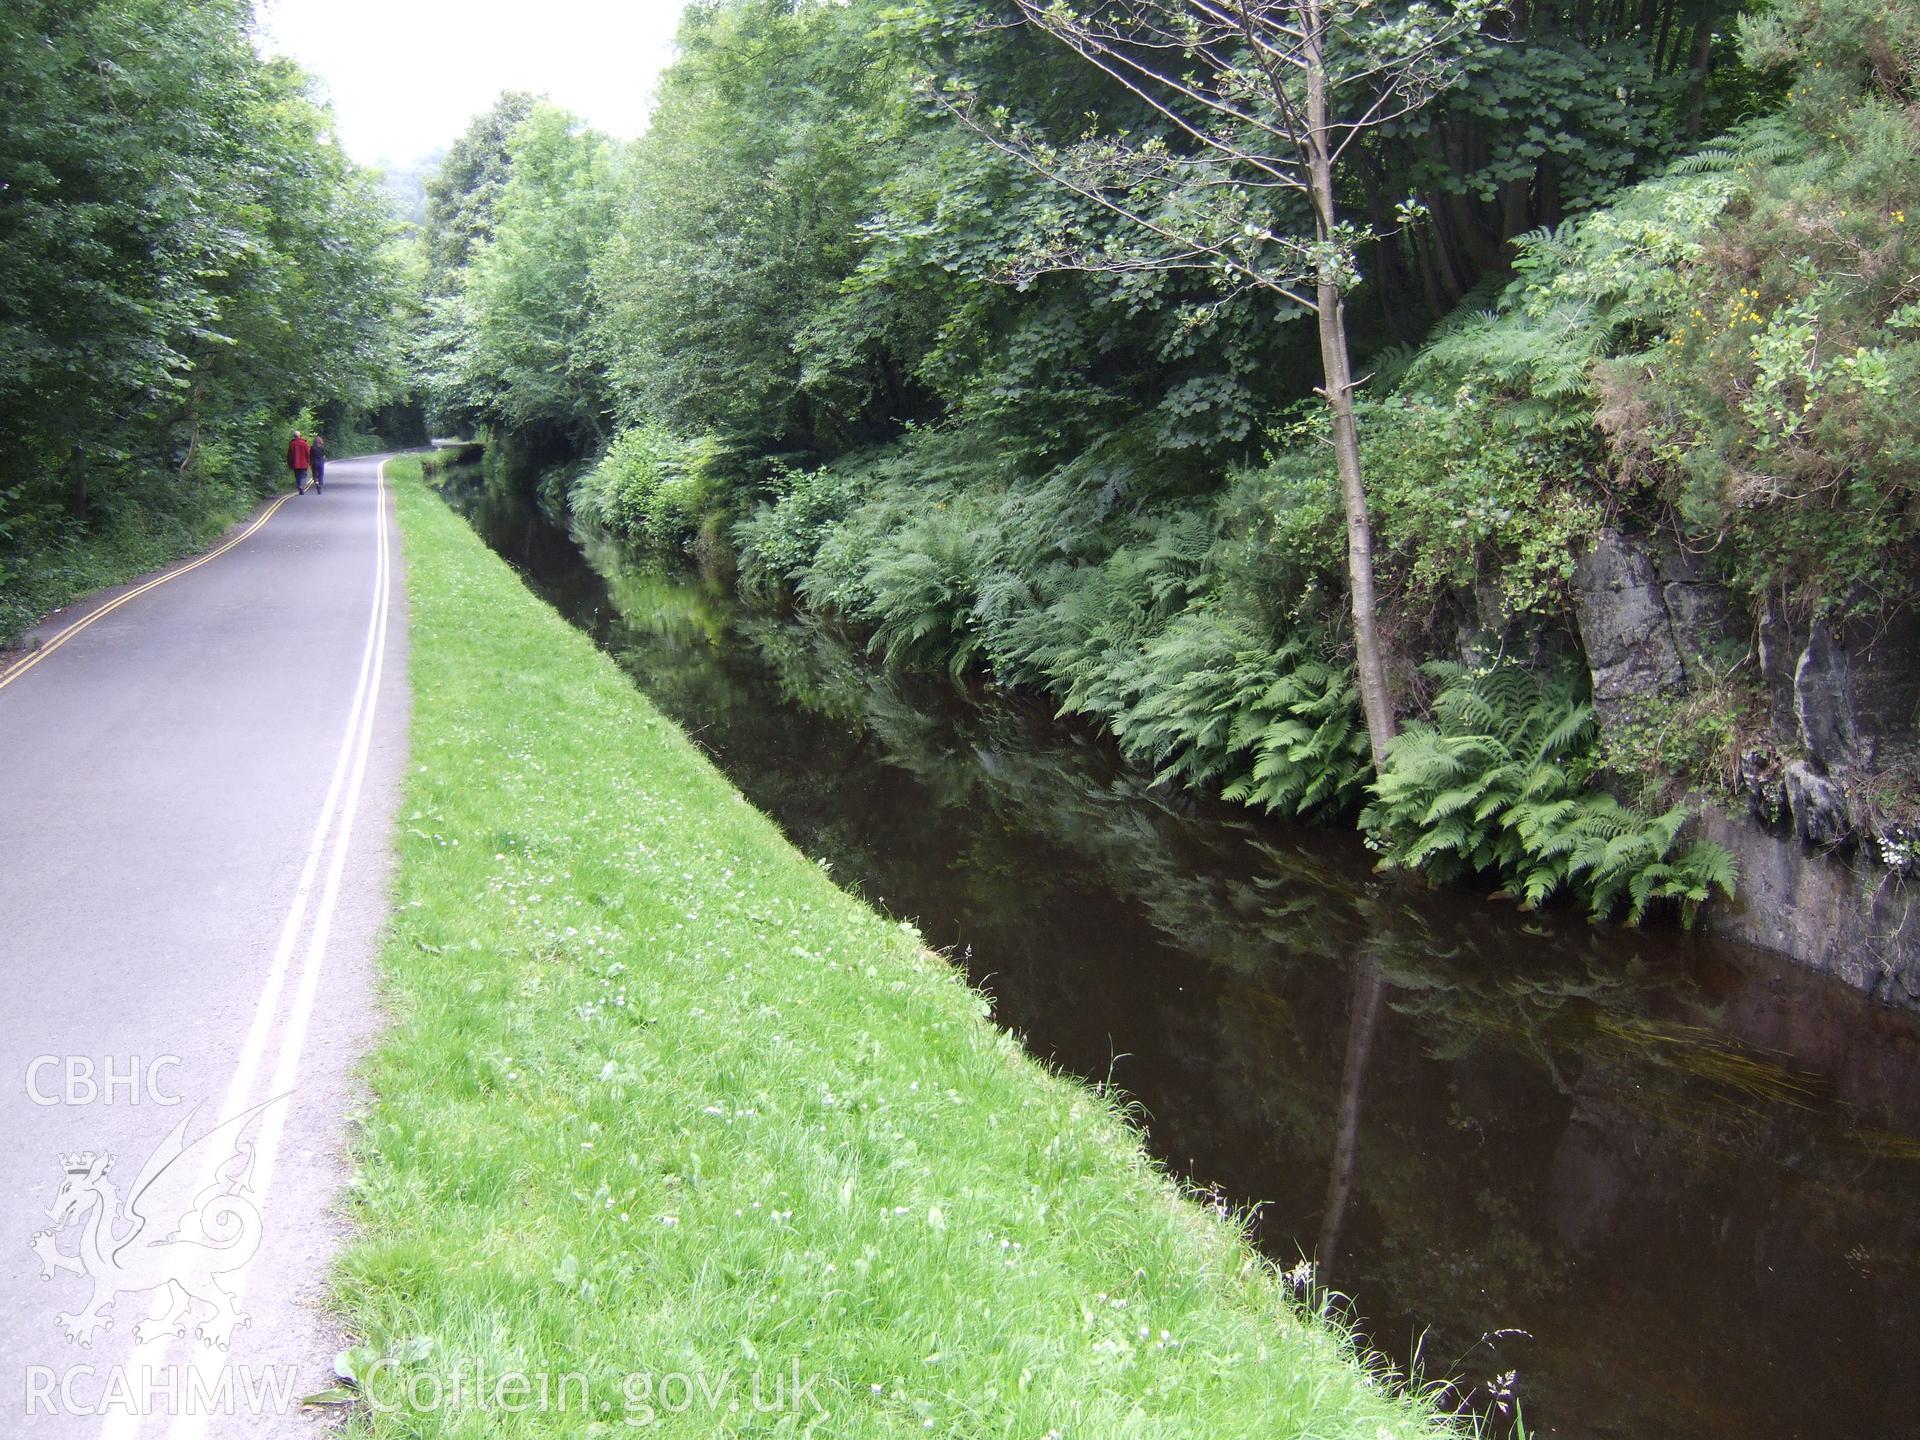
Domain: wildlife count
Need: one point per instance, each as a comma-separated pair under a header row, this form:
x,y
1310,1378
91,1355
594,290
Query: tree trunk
x,y
1696,98
1663,33
1426,265
1376,701
77,467
1514,217
1548,202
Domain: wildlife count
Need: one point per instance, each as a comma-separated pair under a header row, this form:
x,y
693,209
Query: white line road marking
x,y
293,1036
342,802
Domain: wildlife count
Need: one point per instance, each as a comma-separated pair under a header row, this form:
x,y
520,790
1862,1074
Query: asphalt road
x,y
196,805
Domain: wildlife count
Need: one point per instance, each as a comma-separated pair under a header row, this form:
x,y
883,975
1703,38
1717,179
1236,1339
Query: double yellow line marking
x,y
26,662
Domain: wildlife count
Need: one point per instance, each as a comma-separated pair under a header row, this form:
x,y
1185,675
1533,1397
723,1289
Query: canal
x,y
1645,1183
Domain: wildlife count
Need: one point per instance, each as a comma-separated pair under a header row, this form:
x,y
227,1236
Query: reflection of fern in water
x,y
1494,784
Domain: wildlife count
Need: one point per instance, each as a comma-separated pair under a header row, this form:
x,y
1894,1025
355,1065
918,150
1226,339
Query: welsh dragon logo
x,y
175,1232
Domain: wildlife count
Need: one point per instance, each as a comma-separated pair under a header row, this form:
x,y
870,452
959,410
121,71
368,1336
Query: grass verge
x,y
671,1123
46,577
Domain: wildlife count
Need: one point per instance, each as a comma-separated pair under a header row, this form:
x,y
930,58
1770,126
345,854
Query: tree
x,y
461,194
1263,100
744,213
175,221
529,289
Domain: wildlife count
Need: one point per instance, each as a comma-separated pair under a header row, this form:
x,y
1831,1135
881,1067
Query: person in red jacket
x,y
299,458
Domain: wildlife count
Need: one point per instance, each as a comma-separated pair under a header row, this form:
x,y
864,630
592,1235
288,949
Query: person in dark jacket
x,y
299,458
317,453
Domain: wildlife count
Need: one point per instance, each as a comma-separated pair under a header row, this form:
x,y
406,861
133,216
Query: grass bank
x,y
39,576
663,1113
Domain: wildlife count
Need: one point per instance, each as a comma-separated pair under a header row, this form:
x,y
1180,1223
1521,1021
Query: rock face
x,y
1624,626
1818,806
1848,917
1848,691
1824,877
1702,615
1823,699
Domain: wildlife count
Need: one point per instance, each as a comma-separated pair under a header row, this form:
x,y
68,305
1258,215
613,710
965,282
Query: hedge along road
x,y
195,818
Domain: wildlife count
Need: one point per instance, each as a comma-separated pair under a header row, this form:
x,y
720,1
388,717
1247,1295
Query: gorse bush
x,y
1494,784
1738,329
1769,413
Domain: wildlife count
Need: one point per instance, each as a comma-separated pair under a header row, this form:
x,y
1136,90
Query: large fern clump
x,y
1496,783
1209,705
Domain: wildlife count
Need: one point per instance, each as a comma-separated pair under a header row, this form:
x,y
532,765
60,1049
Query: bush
x,y
1458,485
921,581
652,488
1215,709
779,539
1768,412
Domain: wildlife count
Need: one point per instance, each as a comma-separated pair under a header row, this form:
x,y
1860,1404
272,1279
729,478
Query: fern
x,y
1207,704
1495,783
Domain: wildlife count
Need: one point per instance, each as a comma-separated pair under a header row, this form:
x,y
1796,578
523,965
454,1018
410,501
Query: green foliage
x,y
742,214
1049,582
923,586
652,488
464,188
1460,484
779,539
1739,327
1096,484
187,262
509,345
1211,707
1767,413
1698,735
1495,784
1560,105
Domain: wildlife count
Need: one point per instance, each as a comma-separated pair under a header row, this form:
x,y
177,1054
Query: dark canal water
x,y
1671,1185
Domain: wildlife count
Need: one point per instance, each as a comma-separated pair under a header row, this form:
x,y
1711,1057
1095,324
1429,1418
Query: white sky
x,y
406,76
